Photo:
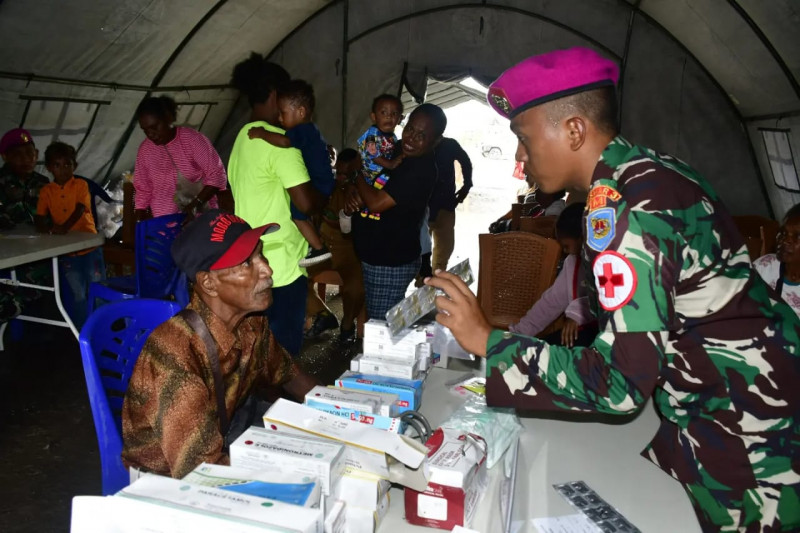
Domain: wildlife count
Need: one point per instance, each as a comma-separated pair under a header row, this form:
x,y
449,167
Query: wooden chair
x,y
759,233
515,269
332,277
544,226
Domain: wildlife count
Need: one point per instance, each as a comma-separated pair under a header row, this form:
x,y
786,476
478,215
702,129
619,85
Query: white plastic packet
x,y
446,345
499,427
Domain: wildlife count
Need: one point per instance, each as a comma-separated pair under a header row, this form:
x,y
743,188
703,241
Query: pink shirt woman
x,y
170,160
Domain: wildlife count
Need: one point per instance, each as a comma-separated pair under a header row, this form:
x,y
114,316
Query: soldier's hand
x,y
460,312
569,333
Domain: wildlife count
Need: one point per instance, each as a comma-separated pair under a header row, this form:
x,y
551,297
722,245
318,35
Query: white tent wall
x,y
669,101
670,104
90,46
695,71
120,42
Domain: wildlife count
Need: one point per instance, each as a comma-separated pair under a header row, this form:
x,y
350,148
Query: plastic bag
x,y
446,345
499,427
109,215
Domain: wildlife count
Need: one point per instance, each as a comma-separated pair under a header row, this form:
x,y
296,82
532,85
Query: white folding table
x,y
24,245
602,451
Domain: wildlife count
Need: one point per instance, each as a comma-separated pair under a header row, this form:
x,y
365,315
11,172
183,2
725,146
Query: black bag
x,y
250,413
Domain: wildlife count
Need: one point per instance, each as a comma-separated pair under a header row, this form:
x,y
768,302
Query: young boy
x,y
296,105
344,260
567,294
378,145
64,206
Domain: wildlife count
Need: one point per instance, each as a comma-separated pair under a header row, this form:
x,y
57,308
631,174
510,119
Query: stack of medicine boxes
x,y
382,383
405,355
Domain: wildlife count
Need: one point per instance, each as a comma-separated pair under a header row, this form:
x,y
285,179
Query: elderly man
x,y
682,314
197,368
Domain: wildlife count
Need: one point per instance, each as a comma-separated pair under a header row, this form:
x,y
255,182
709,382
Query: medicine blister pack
x,y
420,302
605,517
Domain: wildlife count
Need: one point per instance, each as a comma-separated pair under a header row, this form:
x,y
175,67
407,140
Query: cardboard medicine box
x,y
260,449
457,469
409,391
344,399
367,447
178,503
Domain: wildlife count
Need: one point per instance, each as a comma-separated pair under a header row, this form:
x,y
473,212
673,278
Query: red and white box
x,y
457,467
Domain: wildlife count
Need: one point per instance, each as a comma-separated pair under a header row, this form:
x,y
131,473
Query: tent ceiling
x,y
444,94
693,70
129,42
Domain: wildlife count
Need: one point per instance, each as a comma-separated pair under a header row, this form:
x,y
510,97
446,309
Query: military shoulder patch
x,y
615,279
600,228
600,195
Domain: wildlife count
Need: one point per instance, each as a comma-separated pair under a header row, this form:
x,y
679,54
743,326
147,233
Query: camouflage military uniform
x,y
683,317
18,199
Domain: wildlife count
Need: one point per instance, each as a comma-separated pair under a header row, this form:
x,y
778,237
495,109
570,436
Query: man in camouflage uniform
x,y
19,194
682,314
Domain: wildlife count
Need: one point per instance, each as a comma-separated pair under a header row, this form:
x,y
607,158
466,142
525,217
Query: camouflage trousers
x,y
764,508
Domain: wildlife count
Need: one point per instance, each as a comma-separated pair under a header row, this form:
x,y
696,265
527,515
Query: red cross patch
x,y
615,279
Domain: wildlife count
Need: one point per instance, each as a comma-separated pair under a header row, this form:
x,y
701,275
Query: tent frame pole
x,y
154,85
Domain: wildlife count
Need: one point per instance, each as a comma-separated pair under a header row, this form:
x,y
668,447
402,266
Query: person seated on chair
x,y
537,203
568,293
781,270
170,417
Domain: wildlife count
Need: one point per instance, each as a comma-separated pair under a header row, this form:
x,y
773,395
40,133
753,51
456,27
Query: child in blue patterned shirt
x,y
378,145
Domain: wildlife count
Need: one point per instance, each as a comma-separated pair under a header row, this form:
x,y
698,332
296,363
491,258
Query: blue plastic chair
x,y
156,273
110,344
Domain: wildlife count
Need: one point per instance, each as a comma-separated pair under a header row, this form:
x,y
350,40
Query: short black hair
x,y
436,114
300,93
256,78
162,107
598,105
347,155
386,96
60,149
793,212
569,223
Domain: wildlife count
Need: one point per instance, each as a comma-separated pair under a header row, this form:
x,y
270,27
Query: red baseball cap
x,y
14,138
216,240
550,76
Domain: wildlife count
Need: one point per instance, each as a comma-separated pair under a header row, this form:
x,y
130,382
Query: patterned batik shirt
x,y
683,317
18,197
170,422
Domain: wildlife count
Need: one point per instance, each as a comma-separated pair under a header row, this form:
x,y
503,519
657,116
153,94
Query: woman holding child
x,y
389,245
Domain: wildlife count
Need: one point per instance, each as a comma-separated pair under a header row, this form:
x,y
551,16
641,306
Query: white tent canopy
x,y
700,79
